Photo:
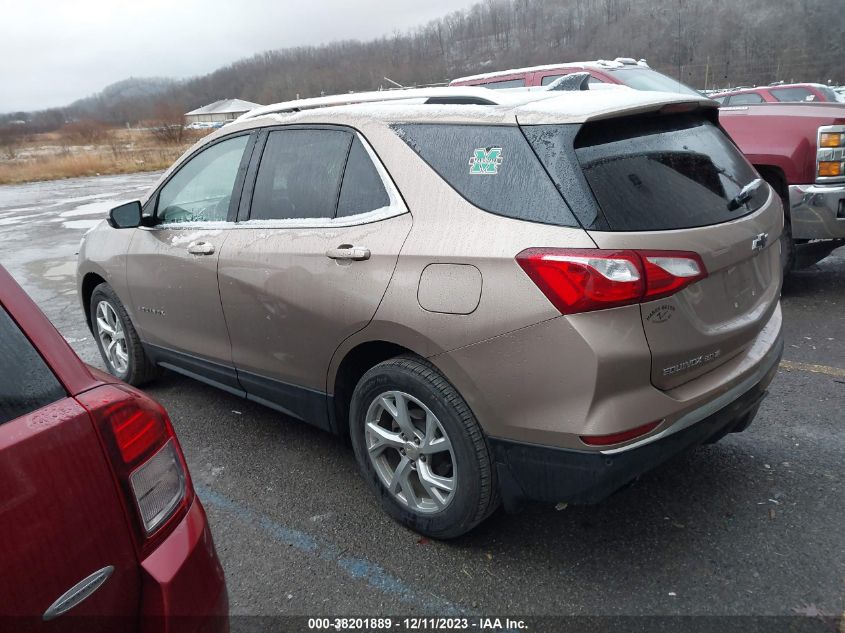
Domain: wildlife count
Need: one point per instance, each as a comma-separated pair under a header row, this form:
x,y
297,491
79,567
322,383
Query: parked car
x,y
780,93
799,149
494,295
102,530
622,70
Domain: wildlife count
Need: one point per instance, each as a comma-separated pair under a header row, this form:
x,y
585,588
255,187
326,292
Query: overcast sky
x,y
53,52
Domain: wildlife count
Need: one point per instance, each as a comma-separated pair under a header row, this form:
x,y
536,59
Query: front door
x,y
311,266
172,265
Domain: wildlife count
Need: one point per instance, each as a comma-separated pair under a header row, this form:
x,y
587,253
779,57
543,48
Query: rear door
x,y
310,266
667,182
61,519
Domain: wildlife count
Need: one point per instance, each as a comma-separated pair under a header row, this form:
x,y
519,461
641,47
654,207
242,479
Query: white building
x,y
220,111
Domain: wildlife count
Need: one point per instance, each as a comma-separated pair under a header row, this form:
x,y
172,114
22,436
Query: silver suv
x,y
496,296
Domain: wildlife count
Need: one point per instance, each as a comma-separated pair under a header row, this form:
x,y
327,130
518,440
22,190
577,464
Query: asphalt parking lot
x,y
754,525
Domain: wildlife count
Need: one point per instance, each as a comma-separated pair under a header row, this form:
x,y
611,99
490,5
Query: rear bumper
x,y
817,211
542,473
183,584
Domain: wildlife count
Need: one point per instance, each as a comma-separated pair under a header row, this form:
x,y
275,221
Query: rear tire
x,y
414,436
118,342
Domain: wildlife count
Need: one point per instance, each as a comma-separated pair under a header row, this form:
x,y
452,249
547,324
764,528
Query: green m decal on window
x,y
485,160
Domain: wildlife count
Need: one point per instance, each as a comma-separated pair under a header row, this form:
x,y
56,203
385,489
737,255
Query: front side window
x,y
491,166
26,382
792,94
748,98
202,188
362,190
299,175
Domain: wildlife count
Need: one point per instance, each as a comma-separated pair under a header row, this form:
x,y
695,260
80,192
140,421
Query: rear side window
x,y
664,172
505,83
792,94
491,166
550,78
362,188
749,98
26,383
299,176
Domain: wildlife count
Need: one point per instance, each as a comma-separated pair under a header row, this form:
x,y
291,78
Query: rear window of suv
x,y
491,166
26,383
663,172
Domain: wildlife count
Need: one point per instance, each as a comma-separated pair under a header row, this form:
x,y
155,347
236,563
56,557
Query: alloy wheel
x,y
410,451
112,337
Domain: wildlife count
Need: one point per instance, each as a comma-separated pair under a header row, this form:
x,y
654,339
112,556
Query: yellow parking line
x,y
836,372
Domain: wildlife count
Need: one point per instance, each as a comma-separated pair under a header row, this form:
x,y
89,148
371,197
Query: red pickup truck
x,y
799,149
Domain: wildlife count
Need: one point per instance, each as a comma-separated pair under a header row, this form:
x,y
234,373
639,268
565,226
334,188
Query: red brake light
x,y
136,431
623,436
145,458
668,272
582,280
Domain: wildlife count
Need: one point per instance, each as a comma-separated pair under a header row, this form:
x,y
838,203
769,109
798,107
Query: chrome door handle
x,y
347,251
79,592
200,248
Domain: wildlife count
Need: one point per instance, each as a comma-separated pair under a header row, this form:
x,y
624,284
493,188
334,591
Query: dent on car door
x,y
172,265
311,266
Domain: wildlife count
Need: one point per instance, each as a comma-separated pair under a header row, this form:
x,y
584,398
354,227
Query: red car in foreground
x,y
100,527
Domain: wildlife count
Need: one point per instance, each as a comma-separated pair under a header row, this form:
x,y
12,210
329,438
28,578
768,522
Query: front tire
x,y
118,342
421,449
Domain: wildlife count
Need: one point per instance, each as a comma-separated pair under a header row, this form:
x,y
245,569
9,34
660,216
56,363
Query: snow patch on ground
x,y
81,224
101,208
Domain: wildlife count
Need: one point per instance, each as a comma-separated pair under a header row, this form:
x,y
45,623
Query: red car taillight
x,y
146,460
585,279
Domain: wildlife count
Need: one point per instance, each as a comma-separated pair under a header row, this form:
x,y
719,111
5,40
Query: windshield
x,y
640,78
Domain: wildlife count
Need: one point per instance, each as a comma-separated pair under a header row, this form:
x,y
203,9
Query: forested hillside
x,y
707,43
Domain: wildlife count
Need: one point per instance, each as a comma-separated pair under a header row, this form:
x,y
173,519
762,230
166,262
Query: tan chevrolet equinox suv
x,y
496,296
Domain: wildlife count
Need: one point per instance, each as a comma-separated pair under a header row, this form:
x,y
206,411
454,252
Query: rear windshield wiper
x,y
747,192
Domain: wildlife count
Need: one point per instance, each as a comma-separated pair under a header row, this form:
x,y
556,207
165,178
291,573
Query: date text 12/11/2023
x,y
494,624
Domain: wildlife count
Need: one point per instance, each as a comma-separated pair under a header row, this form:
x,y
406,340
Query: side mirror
x,y
126,216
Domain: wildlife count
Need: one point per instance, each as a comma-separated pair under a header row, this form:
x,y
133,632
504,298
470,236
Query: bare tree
x,y
85,131
168,126
11,136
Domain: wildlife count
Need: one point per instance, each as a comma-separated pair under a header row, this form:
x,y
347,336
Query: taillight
x,y
145,457
582,280
667,272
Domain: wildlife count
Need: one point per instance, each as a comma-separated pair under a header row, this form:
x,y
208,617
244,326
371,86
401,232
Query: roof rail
x,y
445,95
